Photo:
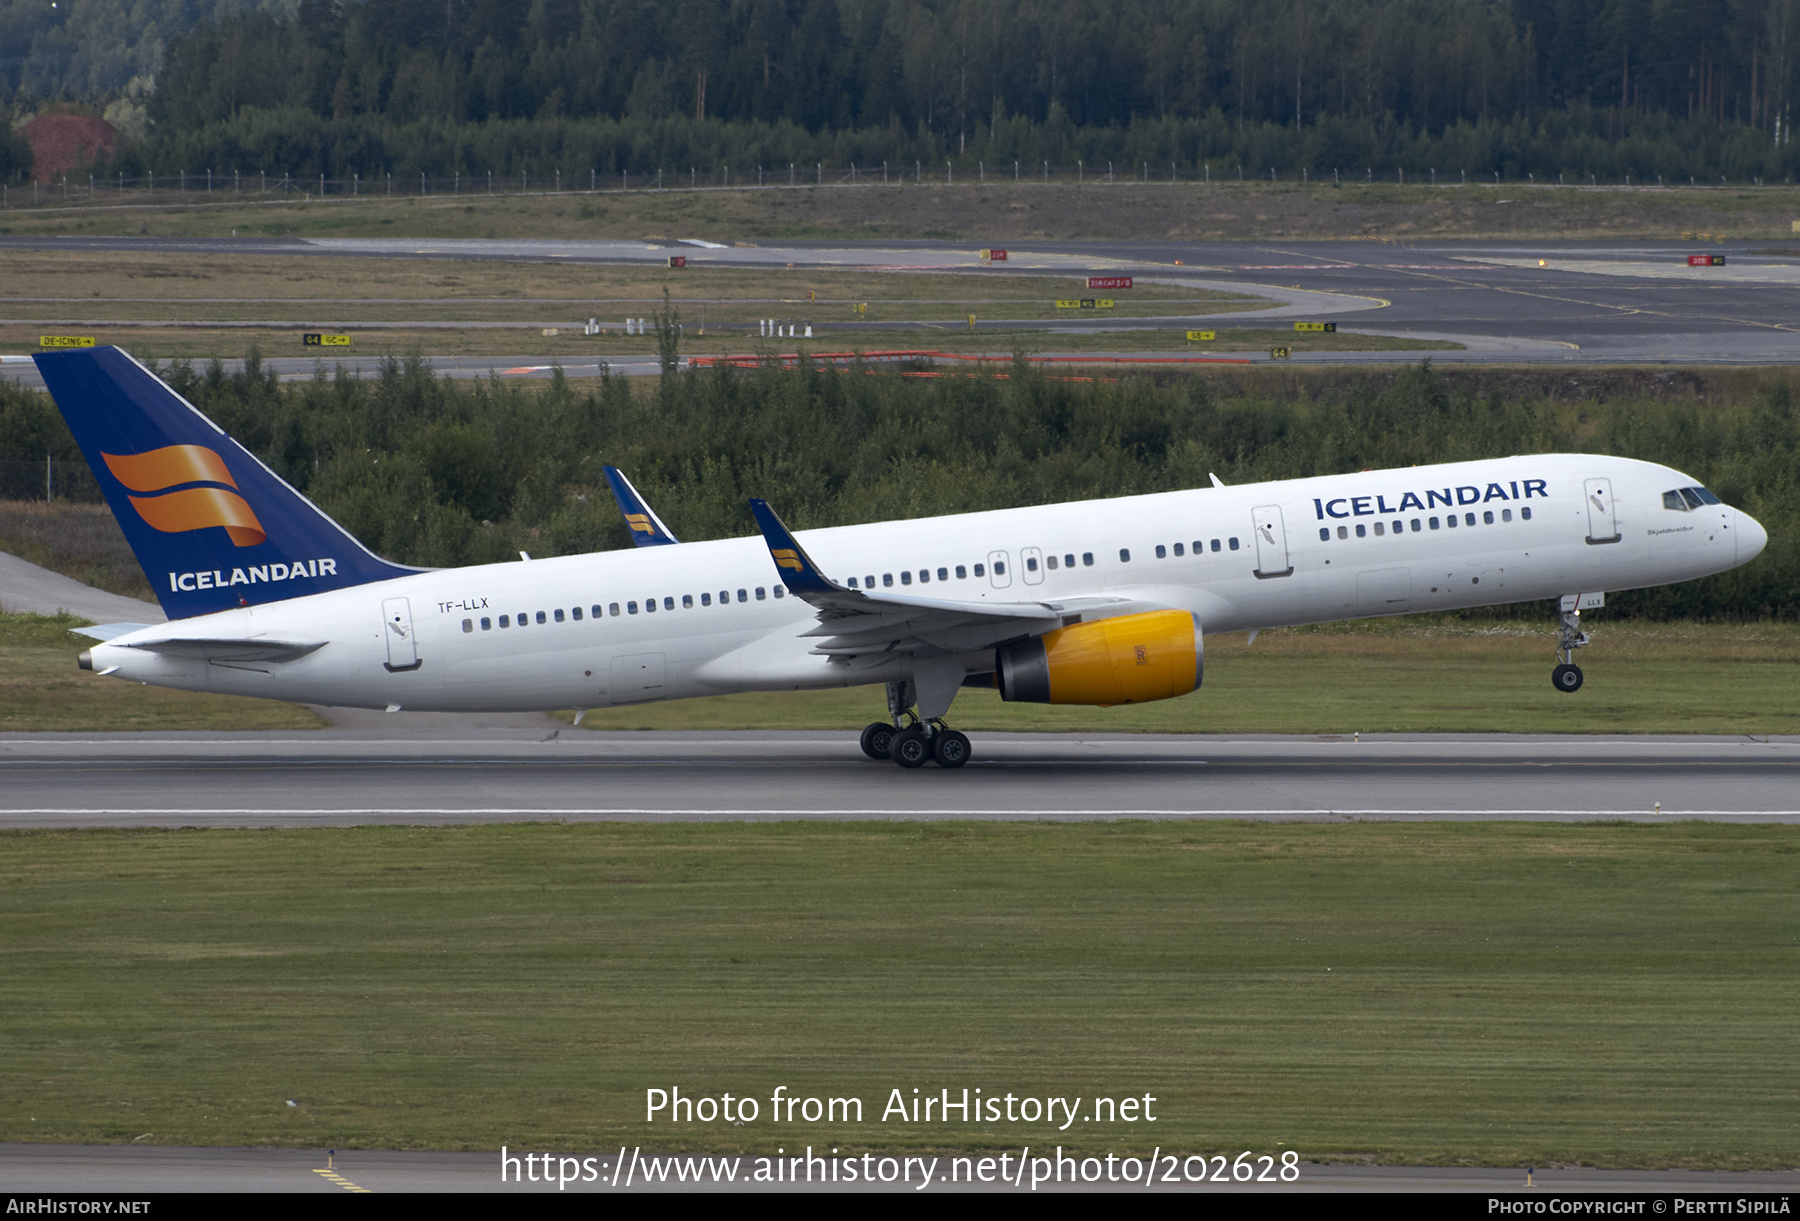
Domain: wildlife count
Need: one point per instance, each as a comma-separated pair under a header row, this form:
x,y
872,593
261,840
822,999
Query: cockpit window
x,y
1684,500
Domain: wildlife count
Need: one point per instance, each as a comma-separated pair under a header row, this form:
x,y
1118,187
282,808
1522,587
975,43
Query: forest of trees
x,y
440,472
1609,87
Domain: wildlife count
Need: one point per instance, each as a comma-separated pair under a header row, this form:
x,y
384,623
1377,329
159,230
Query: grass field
x,y
984,215
1492,994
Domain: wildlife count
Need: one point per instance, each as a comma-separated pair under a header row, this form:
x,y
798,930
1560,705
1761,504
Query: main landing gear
x,y
1567,676
917,742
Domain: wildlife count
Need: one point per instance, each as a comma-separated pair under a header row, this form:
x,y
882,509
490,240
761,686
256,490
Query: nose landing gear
x,y
1567,676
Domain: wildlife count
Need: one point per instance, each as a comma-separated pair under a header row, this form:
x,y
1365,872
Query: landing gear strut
x,y
910,741
1567,676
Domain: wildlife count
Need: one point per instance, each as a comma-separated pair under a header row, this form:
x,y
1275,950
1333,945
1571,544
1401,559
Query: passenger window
x,y
1487,518
962,572
906,578
924,576
631,608
1215,544
743,595
1068,561
1234,543
1031,563
1050,562
613,609
869,581
724,597
1450,520
1162,552
687,601
575,613
559,615
524,619
541,616
1178,551
1399,527
1362,531
1415,525
1124,555
1087,559
487,625
981,570
705,599
1525,513
999,568
1199,546
943,574
852,582
669,603
1343,532
761,594
1468,519
1378,530
1324,534
468,625
887,580
1434,523
649,606
505,621
781,591
1505,514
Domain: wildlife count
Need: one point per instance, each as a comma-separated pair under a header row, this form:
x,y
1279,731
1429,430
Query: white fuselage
x,y
722,622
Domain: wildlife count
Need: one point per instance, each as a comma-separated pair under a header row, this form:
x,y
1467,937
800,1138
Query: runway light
x,y
1543,263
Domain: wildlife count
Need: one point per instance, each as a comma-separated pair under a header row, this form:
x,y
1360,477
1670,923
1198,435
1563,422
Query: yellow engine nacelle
x,y
1127,660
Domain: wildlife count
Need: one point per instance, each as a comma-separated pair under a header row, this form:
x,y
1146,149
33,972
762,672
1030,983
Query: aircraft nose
x,y
1751,538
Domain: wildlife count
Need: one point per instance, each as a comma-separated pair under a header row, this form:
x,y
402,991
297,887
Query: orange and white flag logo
x,y
176,512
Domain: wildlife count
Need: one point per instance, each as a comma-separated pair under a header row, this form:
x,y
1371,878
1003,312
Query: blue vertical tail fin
x,y
647,529
212,526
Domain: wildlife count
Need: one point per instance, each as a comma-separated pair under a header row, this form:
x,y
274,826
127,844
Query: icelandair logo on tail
x,y
183,509
255,574
786,558
640,523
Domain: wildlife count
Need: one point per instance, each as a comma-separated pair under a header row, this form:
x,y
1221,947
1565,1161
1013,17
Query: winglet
x,y
798,572
647,529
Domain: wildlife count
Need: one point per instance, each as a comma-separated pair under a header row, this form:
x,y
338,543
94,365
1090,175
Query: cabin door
x,y
1603,522
402,642
1271,543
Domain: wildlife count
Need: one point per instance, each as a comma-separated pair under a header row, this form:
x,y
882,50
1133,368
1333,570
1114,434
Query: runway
x,y
1561,303
440,776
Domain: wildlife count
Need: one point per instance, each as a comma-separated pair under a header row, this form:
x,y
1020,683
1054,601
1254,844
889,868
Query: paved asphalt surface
x,y
1566,303
441,771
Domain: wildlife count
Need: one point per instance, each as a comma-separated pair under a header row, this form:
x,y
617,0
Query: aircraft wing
x,y
854,622
647,529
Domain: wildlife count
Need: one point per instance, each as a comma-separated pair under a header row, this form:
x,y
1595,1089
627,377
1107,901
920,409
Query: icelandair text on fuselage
x,y
943,1106
256,574
1450,498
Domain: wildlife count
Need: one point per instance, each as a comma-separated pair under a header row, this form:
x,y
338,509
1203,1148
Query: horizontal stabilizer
x,y
220,649
106,631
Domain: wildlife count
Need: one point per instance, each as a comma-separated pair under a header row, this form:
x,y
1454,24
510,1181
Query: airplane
x,y
1099,602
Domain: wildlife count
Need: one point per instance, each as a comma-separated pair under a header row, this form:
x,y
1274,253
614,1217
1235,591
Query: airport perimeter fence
x,y
49,479
186,187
